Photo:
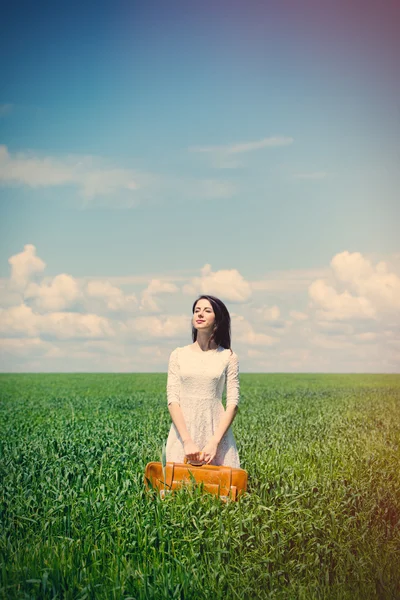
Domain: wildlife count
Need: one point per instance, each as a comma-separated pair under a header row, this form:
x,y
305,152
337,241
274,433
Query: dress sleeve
x,y
232,381
173,379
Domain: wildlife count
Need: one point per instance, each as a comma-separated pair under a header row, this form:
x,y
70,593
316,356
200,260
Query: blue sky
x,y
153,151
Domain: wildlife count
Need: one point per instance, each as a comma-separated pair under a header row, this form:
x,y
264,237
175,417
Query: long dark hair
x,y
221,333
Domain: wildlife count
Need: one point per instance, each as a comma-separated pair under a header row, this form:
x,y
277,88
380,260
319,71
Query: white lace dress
x,y
196,381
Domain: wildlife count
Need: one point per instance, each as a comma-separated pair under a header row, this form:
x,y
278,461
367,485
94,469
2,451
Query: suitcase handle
x,y
195,463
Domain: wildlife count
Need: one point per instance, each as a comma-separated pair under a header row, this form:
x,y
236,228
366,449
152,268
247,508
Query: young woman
x,y
197,374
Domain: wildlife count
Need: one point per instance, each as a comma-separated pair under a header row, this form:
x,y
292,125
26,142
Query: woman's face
x,y
203,311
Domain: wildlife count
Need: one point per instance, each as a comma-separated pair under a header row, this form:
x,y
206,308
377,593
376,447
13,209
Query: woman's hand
x,y
210,451
192,451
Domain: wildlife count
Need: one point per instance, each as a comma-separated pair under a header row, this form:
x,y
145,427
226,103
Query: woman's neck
x,y
202,342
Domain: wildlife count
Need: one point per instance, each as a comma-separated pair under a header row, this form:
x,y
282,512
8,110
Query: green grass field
x,y
321,518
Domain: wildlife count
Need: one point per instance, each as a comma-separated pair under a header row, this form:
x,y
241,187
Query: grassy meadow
x,y
321,518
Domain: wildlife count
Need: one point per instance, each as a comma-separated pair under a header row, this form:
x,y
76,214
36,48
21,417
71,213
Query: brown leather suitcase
x,y
228,483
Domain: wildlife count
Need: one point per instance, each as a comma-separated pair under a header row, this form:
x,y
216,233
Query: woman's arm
x,y
232,397
173,396
177,416
225,422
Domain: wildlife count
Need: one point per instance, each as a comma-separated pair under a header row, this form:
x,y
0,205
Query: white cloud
x,y
19,320
144,279
22,321
158,286
298,316
155,287
62,293
9,296
377,284
23,347
181,188
290,280
367,336
107,181
337,343
243,332
152,327
95,176
240,147
88,173
335,327
350,329
65,292
270,313
112,296
227,284
25,266
376,291
338,306
226,156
